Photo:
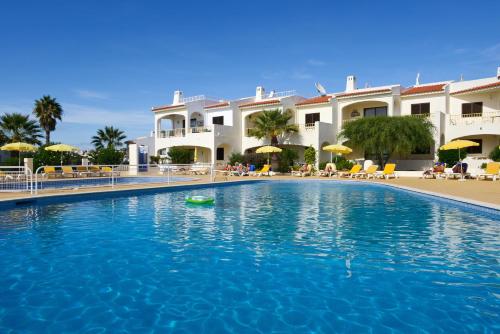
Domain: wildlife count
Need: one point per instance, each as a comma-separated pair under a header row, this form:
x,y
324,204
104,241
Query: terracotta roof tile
x,y
258,103
424,89
217,105
364,92
168,107
315,100
473,89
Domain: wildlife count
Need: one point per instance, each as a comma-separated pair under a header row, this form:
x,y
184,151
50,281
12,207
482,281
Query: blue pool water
x,y
314,257
96,182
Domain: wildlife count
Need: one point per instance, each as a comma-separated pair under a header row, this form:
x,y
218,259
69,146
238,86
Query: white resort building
x,y
216,128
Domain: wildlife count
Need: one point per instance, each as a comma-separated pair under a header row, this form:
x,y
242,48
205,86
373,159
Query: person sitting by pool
x,y
438,168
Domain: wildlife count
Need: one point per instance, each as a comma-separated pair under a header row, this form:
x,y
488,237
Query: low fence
x,y
75,177
16,179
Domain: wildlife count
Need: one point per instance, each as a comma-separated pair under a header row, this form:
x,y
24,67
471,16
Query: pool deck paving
x,y
485,193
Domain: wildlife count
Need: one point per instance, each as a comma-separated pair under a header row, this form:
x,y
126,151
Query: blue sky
x,y
109,62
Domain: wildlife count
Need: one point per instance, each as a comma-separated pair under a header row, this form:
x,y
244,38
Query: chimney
x,y
498,72
260,93
177,97
350,84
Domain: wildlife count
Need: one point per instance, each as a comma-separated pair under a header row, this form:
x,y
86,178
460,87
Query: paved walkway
x,y
472,190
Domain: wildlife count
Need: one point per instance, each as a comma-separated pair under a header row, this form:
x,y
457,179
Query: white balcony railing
x,y
476,118
281,94
421,115
181,132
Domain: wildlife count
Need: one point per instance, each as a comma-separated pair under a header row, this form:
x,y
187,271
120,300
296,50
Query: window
x,y
421,109
192,123
218,120
220,153
312,118
375,112
476,149
472,109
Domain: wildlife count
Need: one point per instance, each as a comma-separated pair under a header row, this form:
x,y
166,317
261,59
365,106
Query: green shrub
x,y
258,160
179,155
286,159
310,155
343,164
450,157
43,157
495,154
322,165
235,158
106,156
154,159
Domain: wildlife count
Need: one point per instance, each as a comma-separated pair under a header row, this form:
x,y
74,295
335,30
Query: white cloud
x,y
316,62
89,94
84,114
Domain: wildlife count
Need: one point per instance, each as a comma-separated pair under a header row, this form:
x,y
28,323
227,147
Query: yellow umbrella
x,y
19,147
337,148
457,145
62,148
268,150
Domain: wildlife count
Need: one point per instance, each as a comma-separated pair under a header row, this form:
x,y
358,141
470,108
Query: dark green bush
x,y
343,164
179,155
286,159
43,157
495,154
107,156
235,158
310,155
450,157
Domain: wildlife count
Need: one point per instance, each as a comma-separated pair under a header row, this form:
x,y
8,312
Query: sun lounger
x,y
108,171
49,171
388,172
83,171
492,171
95,171
355,169
368,173
265,170
68,171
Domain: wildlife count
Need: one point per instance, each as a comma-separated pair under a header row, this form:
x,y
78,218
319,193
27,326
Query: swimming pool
x,y
284,256
104,181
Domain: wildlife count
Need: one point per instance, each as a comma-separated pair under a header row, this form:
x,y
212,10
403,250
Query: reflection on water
x,y
287,256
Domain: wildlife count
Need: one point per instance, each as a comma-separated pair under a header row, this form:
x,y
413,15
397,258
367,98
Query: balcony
x,y
475,118
425,115
218,130
486,123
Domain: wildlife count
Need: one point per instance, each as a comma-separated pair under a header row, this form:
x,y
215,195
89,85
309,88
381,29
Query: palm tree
x,y
385,136
109,137
16,127
48,111
273,124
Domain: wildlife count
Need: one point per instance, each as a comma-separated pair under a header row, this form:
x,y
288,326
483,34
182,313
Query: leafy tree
x,y
495,154
15,127
310,155
451,157
109,137
106,156
273,124
48,111
235,158
384,136
179,155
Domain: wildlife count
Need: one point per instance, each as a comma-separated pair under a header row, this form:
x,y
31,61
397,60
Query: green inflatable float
x,y
200,199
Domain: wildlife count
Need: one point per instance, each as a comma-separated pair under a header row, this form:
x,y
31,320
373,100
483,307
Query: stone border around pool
x,y
72,197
